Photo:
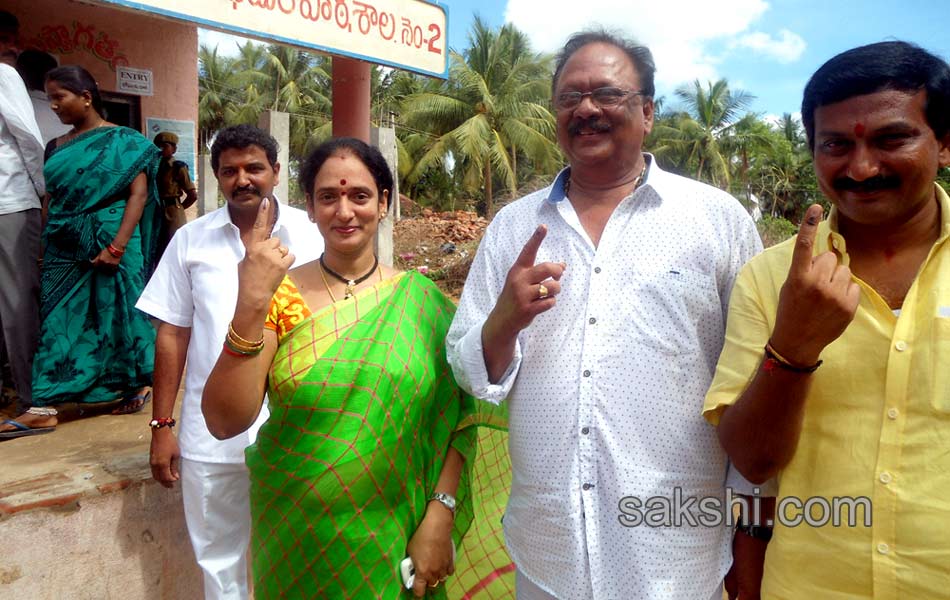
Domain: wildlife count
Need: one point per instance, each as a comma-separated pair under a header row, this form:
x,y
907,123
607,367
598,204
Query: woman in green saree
x,y
99,240
369,453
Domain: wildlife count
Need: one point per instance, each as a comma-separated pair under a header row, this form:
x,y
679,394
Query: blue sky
x,y
768,49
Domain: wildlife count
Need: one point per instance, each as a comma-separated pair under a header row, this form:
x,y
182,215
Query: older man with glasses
x,y
602,332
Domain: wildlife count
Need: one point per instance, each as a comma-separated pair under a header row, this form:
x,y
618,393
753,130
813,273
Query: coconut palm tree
x,y
699,135
492,110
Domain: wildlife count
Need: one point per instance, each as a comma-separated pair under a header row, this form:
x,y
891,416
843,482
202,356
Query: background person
x,y
99,245
173,181
22,187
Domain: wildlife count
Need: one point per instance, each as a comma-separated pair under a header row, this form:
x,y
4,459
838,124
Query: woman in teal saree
x,y
371,453
99,241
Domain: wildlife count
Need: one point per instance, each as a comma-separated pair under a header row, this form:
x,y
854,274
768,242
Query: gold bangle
x,y
241,342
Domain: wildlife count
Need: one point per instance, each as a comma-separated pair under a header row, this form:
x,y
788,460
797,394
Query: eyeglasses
x,y
605,97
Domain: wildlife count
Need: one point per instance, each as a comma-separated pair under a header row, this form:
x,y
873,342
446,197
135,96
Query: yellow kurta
x,y
877,425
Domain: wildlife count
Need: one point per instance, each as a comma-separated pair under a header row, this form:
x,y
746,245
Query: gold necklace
x,y
327,284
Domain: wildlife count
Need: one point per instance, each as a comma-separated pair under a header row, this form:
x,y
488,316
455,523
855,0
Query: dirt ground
x,y
440,245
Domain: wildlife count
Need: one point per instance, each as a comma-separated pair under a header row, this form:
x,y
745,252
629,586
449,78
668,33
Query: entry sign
x,y
405,34
133,81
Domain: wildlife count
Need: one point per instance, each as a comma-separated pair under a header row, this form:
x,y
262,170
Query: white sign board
x,y
405,34
133,81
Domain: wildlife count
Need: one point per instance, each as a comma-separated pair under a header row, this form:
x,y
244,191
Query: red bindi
x,y
343,182
859,130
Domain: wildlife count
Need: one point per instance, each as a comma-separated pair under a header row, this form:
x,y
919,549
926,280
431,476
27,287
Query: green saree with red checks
x,y
363,410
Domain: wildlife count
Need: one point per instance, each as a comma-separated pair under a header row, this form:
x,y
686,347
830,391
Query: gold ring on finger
x,y
542,291
435,585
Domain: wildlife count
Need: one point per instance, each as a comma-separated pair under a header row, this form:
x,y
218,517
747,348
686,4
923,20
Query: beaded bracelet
x,y
162,422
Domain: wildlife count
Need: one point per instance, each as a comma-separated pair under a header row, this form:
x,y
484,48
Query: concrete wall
x,y
100,38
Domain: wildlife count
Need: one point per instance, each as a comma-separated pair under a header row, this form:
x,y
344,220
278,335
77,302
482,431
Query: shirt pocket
x,y
670,310
940,358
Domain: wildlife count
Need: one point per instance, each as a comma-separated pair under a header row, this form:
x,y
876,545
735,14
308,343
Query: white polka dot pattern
x,y
606,391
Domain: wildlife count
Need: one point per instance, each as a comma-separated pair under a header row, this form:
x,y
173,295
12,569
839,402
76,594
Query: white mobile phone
x,y
408,571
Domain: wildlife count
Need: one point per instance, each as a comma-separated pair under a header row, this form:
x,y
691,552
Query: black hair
x,y
639,55
33,65
370,156
897,65
8,22
78,80
240,137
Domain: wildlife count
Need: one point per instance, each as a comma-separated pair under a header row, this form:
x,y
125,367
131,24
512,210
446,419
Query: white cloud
x,y
227,44
785,48
685,36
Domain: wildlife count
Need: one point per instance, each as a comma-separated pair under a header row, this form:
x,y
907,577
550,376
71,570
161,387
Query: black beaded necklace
x,y
350,283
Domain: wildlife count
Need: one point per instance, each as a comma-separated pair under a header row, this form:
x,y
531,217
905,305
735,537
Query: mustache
x,y
593,123
874,184
248,189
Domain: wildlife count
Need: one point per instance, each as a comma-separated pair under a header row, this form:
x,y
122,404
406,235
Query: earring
x,y
382,215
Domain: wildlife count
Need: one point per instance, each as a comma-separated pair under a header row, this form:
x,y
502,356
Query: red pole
x,y
351,98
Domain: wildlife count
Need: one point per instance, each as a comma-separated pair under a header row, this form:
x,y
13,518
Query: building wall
x,y
100,39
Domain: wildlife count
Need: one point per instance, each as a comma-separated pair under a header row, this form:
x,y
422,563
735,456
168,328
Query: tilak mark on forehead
x,y
859,130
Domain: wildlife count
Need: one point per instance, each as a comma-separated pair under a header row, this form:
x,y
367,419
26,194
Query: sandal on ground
x,y
22,430
133,404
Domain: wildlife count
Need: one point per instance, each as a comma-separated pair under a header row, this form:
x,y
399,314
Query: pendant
x,y
348,292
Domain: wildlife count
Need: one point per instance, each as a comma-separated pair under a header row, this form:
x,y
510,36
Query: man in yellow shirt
x,y
835,375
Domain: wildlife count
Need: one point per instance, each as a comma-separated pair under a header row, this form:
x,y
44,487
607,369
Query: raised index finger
x,y
262,224
529,253
805,241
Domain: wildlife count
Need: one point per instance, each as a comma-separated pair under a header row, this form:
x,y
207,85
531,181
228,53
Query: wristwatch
x,y
759,532
446,500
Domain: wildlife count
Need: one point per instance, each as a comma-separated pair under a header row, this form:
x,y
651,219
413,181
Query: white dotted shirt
x,y
605,392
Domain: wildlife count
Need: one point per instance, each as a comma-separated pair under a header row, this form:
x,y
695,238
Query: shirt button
x,y
596,269
901,346
587,486
592,320
585,430
586,373
892,413
885,478
883,548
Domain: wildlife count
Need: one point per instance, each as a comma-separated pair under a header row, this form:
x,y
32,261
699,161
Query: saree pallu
x,y
95,346
363,408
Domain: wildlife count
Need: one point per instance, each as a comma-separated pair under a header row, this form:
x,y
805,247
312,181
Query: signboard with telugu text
x,y
133,81
404,34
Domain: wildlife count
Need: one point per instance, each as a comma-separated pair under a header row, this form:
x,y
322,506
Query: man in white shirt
x,y
604,339
33,65
193,292
22,188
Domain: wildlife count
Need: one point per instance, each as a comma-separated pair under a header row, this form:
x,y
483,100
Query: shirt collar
x,y
830,239
557,191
